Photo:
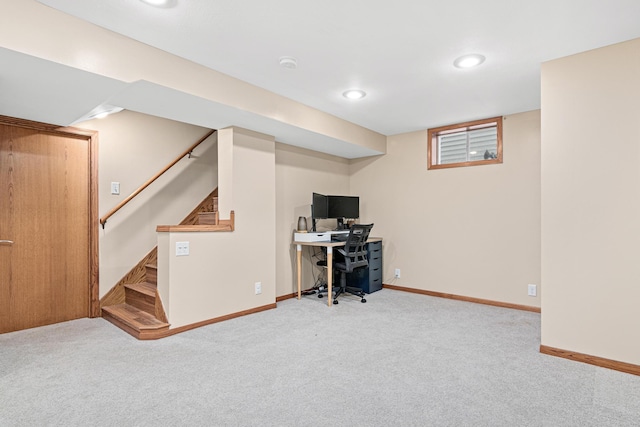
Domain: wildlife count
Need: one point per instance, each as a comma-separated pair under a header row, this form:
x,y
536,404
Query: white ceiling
x,y
400,52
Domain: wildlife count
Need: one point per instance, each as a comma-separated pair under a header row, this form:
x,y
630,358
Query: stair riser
x,y
141,301
208,218
120,324
151,275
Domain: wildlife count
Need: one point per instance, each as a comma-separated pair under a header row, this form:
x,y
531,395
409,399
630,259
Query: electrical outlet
x,y
115,188
532,290
397,273
182,248
258,288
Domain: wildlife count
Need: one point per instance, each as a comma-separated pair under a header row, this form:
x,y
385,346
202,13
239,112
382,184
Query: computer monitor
x,y
334,207
344,207
319,209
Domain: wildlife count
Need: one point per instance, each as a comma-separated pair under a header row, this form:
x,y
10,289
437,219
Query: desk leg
x,y
329,275
299,268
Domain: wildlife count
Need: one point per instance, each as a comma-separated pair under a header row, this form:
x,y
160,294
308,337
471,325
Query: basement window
x,y
465,144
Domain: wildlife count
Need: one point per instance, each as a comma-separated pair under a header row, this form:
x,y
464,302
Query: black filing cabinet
x,y
369,279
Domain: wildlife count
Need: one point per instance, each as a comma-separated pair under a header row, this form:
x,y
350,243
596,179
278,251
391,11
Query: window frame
x,y
434,133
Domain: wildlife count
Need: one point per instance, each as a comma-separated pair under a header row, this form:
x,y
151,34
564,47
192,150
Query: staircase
x,y
133,304
210,218
138,315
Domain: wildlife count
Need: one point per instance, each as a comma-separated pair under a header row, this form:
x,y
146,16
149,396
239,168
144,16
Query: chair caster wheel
x,y
363,300
320,295
335,301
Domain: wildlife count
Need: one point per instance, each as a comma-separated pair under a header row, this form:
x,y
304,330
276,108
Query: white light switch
x,y
115,188
182,248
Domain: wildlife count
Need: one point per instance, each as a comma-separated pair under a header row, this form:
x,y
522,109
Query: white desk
x,y
329,245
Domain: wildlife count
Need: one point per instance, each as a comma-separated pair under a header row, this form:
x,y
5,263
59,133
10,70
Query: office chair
x,y
352,256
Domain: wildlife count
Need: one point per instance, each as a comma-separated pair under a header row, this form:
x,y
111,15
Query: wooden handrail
x,y
104,219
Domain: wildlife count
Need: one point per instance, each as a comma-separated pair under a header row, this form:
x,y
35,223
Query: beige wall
x,y
133,147
471,231
219,275
299,173
590,204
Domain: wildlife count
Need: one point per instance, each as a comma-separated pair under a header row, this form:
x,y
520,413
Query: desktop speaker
x,y
302,224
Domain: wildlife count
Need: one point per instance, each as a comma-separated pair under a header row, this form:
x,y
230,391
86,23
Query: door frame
x,y
91,137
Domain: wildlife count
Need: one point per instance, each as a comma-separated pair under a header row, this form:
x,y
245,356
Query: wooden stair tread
x,y
144,288
134,318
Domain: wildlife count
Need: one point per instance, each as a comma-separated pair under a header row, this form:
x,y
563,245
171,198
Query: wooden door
x,y
46,239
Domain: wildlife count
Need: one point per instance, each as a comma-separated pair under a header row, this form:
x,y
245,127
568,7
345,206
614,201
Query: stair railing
x,y
188,151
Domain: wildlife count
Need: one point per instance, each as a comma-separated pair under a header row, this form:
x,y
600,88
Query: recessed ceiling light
x,y
288,62
159,3
468,61
354,94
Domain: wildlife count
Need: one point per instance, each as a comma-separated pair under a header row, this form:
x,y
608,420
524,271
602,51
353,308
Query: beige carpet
x,y
399,360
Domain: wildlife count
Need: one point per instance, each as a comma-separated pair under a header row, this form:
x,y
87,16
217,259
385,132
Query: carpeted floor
x,y
399,360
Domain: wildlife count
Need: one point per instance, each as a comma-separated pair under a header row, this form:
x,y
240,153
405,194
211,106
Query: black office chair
x,y
352,256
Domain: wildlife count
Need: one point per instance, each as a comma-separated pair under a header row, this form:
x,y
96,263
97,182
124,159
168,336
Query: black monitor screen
x,y
344,207
320,208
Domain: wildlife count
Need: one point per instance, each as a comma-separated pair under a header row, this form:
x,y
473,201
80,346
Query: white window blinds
x,y
468,145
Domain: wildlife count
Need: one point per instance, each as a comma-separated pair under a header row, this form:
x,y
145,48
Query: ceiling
x,y
400,52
